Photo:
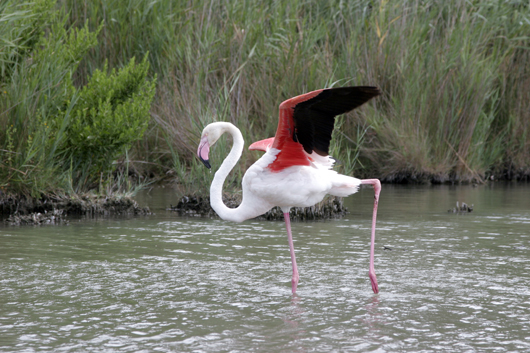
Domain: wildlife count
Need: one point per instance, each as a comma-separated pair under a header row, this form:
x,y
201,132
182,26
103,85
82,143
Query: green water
x,y
163,283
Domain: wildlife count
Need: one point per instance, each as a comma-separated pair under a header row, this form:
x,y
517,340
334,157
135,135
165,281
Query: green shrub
x,y
108,114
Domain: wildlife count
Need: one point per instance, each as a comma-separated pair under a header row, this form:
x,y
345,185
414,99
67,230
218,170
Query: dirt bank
x,y
330,207
52,209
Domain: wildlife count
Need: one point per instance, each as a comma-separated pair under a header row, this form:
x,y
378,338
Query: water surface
x,y
163,283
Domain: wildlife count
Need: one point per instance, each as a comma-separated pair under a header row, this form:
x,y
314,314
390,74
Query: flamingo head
x,y
209,137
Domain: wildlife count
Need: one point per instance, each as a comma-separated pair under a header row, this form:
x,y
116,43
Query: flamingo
x,y
295,170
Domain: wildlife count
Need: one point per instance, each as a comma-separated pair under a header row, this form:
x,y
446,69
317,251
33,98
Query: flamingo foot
x,y
373,279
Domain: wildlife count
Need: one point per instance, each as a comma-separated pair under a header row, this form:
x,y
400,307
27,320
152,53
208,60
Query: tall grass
x,y
455,77
31,88
443,67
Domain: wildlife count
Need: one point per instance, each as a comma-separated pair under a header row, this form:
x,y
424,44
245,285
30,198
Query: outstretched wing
x,y
314,118
306,122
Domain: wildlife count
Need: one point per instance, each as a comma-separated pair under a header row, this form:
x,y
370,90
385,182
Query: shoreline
x,y
56,209
331,207
53,209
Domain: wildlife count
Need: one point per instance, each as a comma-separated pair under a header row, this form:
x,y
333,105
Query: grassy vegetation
x,y
56,137
455,76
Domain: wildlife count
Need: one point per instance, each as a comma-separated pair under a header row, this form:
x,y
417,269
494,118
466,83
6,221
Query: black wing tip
x,y
314,118
373,91
376,91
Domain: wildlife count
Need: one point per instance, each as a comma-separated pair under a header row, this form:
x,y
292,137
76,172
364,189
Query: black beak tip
x,y
206,163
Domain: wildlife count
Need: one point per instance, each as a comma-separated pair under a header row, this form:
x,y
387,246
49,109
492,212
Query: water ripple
x,y
447,284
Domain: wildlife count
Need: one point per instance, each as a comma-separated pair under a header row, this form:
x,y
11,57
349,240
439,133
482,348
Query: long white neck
x,y
216,189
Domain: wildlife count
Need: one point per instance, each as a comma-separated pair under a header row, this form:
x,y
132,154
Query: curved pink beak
x,y
203,150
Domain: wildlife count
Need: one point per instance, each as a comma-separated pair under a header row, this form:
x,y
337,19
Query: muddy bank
x,y
331,207
52,209
36,218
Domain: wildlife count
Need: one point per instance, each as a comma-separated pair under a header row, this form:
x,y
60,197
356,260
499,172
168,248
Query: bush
x,y
108,114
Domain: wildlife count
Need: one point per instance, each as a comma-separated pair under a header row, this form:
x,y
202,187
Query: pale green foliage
x,y
109,113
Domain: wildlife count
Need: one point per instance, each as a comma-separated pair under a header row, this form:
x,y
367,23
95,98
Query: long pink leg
x,y
294,281
377,189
